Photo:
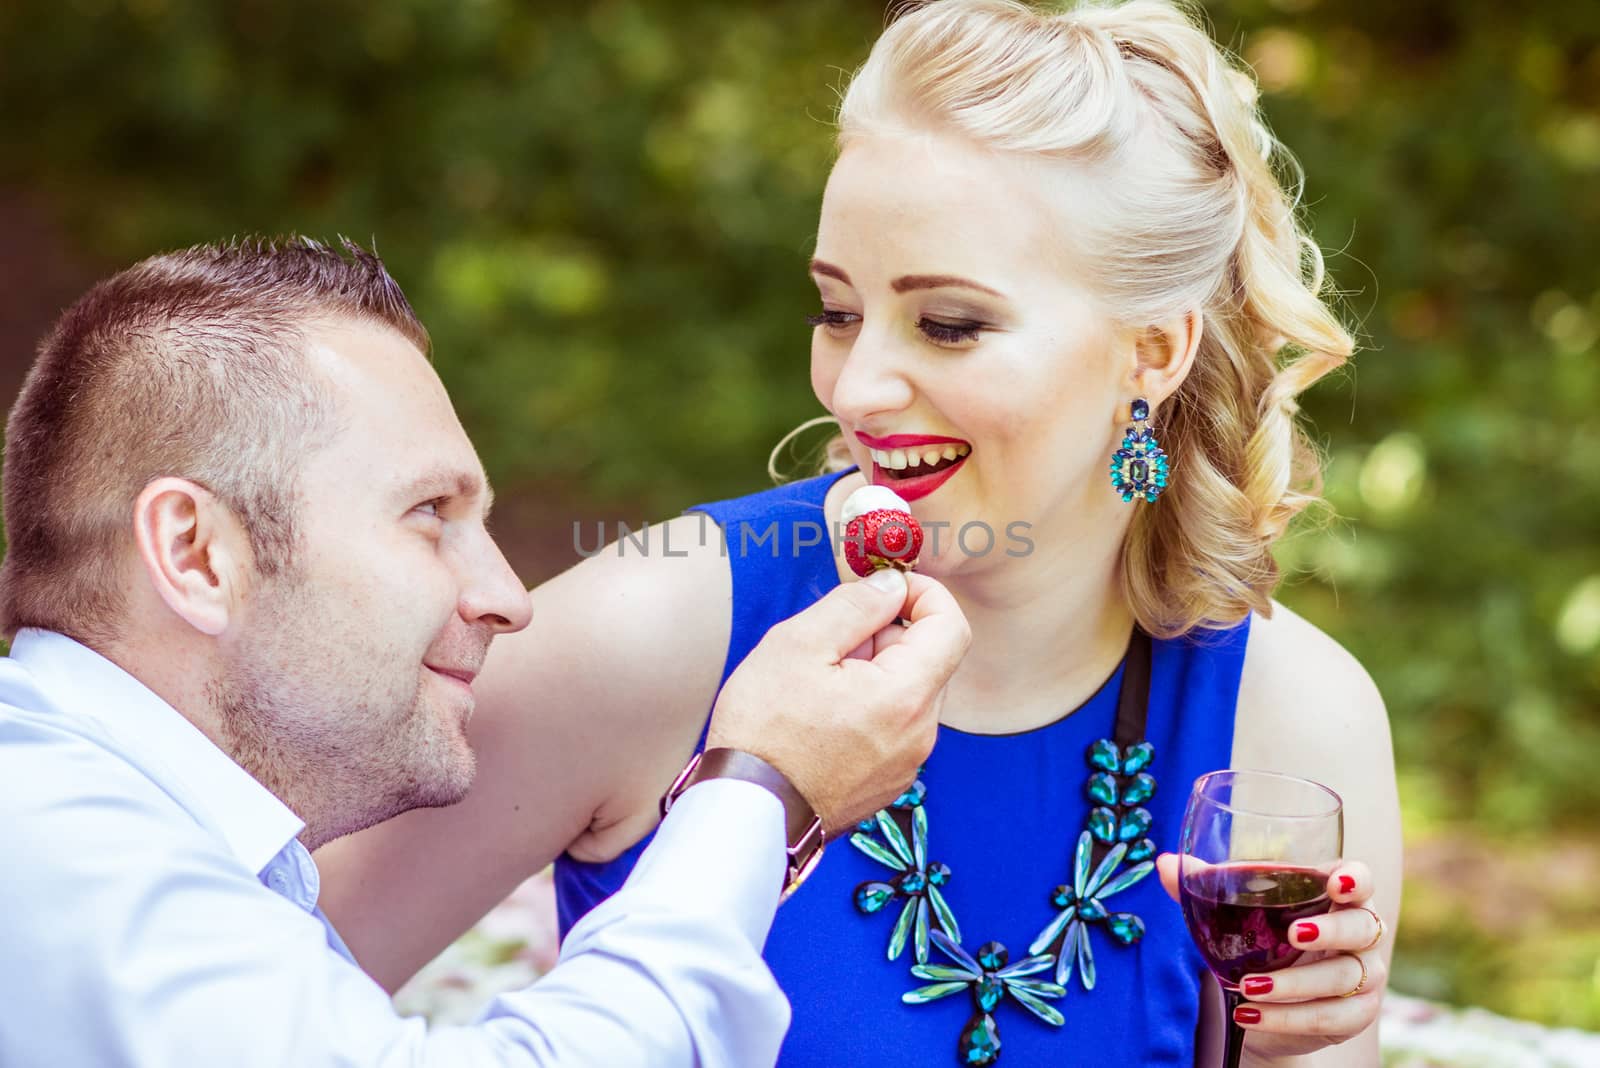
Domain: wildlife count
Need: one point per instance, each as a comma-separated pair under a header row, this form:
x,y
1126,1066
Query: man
x,y
249,584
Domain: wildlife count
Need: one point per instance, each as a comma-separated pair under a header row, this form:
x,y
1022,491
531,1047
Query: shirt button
x,y
306,868
278,881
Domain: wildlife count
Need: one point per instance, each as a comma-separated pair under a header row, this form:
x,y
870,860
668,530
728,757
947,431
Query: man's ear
x,y
1163,356
193,550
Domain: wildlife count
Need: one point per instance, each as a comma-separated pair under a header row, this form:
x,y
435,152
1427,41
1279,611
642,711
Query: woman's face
x,y
958,344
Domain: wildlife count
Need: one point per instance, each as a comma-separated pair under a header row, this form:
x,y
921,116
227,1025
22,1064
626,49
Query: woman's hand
x,y
1330,995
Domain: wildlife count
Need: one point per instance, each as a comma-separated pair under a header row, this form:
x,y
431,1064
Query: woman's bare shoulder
x,y
1300,686
1308,708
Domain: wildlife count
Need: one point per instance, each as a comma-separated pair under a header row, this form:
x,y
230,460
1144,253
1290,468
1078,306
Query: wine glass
x,y
1257,850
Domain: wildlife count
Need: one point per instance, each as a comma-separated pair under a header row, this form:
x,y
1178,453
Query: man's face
x,y
351,675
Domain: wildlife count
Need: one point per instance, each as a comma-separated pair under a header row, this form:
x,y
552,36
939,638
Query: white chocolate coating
x,y
871,499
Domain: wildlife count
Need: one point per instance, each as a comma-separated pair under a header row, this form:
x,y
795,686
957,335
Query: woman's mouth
x,y
915,467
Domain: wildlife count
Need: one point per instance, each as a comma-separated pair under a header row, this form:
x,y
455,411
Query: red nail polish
x,y
1347,884
1306,932
1257,985
1246,1015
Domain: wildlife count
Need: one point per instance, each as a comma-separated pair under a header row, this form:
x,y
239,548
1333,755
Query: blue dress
x,y
1005,813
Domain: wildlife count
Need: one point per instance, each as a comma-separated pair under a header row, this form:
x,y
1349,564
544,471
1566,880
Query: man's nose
x,y
492,594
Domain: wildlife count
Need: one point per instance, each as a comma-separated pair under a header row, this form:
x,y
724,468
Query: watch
x,y
803,826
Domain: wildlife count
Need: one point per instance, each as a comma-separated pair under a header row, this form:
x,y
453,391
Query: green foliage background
x,y
603,212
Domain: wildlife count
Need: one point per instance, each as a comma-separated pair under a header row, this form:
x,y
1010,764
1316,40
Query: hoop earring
x,y
1139,469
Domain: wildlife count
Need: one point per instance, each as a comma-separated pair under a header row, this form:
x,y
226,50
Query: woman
x,y
1046,237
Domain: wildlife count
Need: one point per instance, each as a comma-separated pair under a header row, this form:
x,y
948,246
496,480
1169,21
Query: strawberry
x,y
880,531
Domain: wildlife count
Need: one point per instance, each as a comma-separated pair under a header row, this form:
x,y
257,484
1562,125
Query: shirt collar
x,y
224,797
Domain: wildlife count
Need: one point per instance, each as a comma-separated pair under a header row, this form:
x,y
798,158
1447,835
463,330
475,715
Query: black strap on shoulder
x,y
1133,702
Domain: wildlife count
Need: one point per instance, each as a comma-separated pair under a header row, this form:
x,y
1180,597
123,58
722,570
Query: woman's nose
x,y
870,382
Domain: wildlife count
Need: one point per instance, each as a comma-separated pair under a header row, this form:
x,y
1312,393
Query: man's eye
x,y
430,508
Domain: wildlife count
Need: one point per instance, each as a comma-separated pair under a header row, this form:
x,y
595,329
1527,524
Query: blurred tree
x,y
604,211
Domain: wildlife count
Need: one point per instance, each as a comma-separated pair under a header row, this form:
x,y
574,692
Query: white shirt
x,y
157,910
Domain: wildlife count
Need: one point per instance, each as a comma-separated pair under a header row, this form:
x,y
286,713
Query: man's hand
x,y
842,699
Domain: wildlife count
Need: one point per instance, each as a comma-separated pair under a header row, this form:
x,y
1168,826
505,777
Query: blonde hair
x,y
1139,95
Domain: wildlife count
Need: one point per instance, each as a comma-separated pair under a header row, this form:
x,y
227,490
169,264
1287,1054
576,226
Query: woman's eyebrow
x,y
906,283
828,270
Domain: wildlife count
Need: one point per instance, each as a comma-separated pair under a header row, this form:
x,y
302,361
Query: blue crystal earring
x,y
1139,468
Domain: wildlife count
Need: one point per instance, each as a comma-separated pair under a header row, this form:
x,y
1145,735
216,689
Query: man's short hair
x,y
189,364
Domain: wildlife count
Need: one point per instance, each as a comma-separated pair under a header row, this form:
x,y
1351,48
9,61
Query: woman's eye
x,y
833,319
430,508
949,333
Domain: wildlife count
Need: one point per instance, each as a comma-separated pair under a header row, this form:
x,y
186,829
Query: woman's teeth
x,y
922,460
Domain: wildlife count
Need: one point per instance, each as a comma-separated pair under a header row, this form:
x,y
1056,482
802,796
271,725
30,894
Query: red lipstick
x,y
905,441
914,487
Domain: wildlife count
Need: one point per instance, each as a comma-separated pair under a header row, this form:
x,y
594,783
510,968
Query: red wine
x,y
1239,914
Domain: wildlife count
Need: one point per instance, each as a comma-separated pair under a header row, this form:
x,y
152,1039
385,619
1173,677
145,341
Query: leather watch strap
x,y
802,827
737,764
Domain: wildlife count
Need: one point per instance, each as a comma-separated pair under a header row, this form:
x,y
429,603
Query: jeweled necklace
x,y
1113,854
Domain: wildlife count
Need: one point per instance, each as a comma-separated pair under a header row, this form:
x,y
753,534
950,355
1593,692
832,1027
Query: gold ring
x,y
1357,958
1377,937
